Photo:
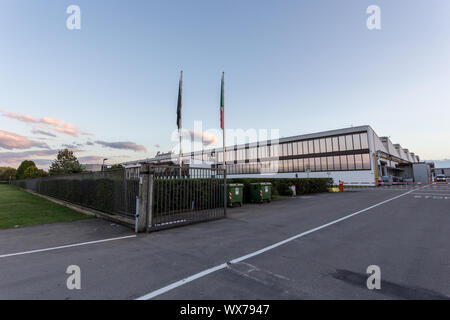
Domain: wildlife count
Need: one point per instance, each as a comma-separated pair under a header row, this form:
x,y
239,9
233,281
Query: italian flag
x,y
222,100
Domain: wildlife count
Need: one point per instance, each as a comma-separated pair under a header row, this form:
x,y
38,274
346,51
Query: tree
x,y
6,172
28,169
65,163
34,172
20,173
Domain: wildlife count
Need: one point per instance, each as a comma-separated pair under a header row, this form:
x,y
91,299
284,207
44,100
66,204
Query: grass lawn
x,y
20,208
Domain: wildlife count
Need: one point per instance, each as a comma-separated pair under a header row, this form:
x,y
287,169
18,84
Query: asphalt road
x,y
405,234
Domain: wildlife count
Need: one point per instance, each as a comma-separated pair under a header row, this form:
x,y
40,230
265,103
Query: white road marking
x,y
65,246
433,194
253,254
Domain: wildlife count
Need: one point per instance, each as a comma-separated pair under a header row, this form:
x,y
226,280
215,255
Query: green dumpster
x,y
261,191
235,194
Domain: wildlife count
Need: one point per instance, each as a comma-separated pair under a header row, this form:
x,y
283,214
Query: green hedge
x,y
280,186
106,195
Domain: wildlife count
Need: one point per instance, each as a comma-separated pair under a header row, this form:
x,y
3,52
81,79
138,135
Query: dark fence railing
x,y
186,195
107,191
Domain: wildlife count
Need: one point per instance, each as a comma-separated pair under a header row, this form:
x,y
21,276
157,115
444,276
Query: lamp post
x,y
103,164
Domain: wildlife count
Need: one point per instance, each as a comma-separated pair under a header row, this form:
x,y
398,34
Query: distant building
x,y
355,154
92,167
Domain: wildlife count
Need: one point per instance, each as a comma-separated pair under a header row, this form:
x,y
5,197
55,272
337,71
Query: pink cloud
x,y
60,126
122,145
19,117
9,141
205,137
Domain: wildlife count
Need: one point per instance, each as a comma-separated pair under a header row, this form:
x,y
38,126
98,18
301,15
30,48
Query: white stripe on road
x,y
64,247
432,194
250,255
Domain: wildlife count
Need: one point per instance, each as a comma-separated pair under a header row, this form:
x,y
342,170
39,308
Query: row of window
x,y
358,141
334,163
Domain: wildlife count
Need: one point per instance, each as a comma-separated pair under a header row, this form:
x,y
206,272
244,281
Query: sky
x,y
109,89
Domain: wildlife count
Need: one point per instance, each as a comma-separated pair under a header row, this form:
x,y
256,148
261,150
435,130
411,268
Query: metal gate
x,y
184,195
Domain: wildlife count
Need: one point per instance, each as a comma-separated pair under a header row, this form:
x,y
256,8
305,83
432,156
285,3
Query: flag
x,y
180,101
222,100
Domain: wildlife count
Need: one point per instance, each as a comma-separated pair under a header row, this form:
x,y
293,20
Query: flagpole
x,y
224,147
180,163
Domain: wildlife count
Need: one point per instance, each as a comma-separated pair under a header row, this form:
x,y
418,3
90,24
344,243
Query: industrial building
x,y
352,155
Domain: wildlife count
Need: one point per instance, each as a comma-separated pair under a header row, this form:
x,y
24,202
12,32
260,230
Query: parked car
x,y
440,178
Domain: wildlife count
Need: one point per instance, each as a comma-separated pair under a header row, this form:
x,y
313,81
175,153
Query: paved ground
x,y
407,237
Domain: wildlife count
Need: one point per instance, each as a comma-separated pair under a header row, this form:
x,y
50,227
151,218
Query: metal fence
x,y
185,195
160,197
106,191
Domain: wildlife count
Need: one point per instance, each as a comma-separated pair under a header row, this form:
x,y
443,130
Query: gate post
x,y
145,198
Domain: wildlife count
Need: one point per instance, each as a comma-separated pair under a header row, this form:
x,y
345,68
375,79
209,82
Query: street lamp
x,y
103,164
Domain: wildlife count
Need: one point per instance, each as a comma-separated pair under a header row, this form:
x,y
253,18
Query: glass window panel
x,y
342,146
262,152
323,162
301,166
253,153
280,165
311,146
323,146
335,144
316,146
329,145
351,162
305,147
294,148
337,163
289,165
317,164
364,141
330,164
308,164
349,142
295,165
356,142
344,163
366,161
358,162
299,148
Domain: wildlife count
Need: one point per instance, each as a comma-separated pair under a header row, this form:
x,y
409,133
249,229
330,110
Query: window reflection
x,y
349,142
342,146
351,162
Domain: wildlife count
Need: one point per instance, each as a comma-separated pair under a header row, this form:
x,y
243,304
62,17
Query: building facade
x,y
352,155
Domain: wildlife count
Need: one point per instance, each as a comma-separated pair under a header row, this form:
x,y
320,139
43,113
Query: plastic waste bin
x,y
261,191
235,194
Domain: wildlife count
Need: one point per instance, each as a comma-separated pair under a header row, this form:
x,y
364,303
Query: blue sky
x,y
297,66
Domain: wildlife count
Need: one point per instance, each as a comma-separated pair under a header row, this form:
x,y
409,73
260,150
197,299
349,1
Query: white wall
x,y
349,177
